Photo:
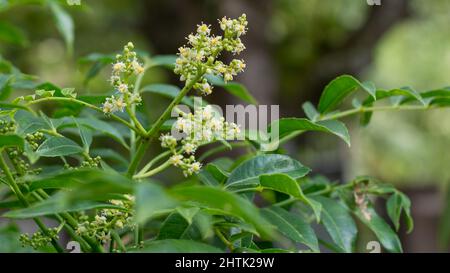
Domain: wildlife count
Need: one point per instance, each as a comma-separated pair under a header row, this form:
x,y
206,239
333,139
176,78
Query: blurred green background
x,y
294,47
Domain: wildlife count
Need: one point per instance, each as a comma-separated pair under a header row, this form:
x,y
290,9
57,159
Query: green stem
x,y
84,245
118,240
12,183
157,125
156,170
142,148
96,247
154,160
224,240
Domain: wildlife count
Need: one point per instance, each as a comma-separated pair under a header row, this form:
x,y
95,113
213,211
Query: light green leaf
x,y
58,146
292,226
247,174
310,111
338,89
338,223
285,184
69,92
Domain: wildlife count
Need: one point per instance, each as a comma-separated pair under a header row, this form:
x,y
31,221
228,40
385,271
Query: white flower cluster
x,y
199,128
200,55
126,65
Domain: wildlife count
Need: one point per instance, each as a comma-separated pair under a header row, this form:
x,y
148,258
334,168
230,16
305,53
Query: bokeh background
x,y
294,48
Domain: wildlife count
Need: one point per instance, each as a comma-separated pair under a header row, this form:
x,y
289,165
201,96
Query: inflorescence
x,y
126,65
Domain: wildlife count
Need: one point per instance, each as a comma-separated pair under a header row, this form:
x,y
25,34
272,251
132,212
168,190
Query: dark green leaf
x,y
382,230
289,126
292,226
247,174
338,89
338,223
11,141
227,202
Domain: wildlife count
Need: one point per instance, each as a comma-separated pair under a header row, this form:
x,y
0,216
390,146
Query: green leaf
x,y
247,174
58,146
45,93
397,203
85,135
338,89
292,226
174,227
188,213
104,127
236,89
310,111
405,95
227,202
285,184
64,23
150,198
338,223
69,92
163,60
289,126
388,238
176,246
28,123
56,204
168,91
11,141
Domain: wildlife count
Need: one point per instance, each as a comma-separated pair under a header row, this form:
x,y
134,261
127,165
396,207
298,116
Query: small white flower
x,y
108,107
135,98
119,104
195,167
123,88
189,148
137,67
176,160
227,77
119,67
203,29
